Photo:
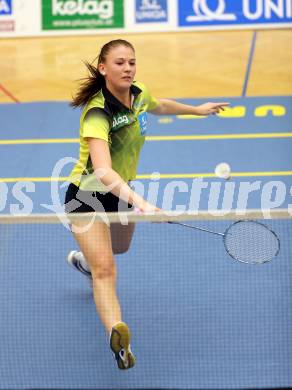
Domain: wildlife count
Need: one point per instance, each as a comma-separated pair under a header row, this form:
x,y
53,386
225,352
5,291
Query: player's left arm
x,y
172,107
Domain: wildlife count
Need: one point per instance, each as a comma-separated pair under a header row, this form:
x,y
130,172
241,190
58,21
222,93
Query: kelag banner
x,y
200,13
82,14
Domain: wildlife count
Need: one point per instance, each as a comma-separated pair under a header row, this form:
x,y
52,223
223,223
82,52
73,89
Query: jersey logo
x,y
142,118
120,121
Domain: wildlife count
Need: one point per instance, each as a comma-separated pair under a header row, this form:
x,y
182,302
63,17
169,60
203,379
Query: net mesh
x,y
198,319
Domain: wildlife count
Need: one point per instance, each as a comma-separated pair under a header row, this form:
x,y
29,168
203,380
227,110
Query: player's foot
x,y
120,345
77,261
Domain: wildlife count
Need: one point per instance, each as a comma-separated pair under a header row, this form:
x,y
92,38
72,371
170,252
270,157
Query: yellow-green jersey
x,y
105,117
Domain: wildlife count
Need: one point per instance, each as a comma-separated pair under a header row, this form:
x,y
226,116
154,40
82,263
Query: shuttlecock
x,y
223,171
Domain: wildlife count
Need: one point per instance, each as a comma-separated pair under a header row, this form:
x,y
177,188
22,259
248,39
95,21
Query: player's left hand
x,y
211,108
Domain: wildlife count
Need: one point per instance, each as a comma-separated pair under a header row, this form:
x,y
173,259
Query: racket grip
x,y
137,211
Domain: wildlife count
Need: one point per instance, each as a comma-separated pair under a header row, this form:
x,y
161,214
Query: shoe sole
x,y
120,339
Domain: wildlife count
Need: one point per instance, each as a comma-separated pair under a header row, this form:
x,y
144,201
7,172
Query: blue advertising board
x,y
5,7
198,13
151,11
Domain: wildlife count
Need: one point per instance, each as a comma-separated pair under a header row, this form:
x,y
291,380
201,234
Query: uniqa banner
x,y
231,12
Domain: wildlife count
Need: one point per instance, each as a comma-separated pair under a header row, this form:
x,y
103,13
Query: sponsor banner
x,y
151,11
82,14
7,23
5,7
229,12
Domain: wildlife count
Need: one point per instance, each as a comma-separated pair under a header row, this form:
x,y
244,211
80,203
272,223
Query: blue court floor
x,y
199,320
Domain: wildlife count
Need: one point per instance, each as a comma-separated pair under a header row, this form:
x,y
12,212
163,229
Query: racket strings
x,y
251,242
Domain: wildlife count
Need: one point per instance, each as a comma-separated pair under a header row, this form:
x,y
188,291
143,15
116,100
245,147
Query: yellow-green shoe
x,y
120,345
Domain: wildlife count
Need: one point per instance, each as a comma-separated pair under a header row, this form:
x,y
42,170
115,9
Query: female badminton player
x,y
112,132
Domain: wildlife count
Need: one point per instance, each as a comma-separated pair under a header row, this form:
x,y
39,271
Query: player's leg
x,y
121,236
95,243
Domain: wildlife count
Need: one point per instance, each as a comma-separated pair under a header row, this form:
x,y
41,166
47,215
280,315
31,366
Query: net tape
x,y
163,216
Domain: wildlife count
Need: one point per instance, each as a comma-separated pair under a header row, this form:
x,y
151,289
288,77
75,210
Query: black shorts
x,y
88,201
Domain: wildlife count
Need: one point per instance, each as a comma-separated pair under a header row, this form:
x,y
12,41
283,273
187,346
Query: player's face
x,y
119,67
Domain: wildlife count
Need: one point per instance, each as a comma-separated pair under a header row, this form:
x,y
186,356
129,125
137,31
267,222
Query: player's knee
x,y
103,267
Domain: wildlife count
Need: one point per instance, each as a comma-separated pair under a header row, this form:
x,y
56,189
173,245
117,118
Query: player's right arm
x,y
102,165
